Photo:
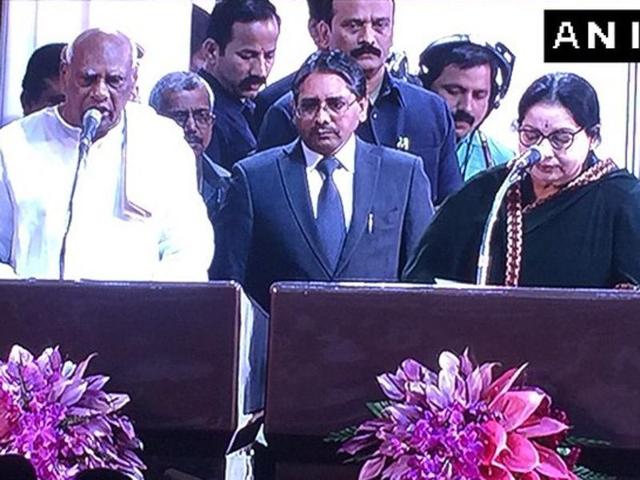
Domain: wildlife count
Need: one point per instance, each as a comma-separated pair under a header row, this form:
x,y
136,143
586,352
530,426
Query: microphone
x,y
529,158
90,122
516,172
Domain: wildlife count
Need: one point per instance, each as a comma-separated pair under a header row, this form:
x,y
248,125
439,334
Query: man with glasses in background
x,y
328,206
187,99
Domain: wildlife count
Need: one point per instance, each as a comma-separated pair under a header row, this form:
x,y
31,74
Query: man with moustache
x,y
328,206
240,49
187,99
473,77
401,115
125,209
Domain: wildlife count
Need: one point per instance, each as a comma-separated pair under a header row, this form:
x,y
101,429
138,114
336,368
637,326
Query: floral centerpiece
x,y
62,421
461,424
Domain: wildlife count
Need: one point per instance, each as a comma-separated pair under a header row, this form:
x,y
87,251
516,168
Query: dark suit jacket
x,y
233,138
266,231
404,116
270,95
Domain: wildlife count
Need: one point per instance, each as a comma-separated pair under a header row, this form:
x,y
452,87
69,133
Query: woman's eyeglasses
x,y
559,139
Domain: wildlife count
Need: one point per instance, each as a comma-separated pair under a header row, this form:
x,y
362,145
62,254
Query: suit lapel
x,y
294,178
367,170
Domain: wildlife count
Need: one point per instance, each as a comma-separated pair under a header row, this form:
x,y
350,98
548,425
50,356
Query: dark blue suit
x,y
233,135
214,185
404,116
270,95
266,231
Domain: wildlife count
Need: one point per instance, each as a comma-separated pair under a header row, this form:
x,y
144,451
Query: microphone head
x,y
534,156
92,116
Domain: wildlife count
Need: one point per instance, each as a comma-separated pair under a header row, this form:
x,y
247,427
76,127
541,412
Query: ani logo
x,y
592,36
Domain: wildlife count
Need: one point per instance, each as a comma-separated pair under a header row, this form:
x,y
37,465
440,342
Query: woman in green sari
x,y
572,221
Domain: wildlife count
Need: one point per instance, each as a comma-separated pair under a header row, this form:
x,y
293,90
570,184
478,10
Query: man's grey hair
x,y
67,54
177,82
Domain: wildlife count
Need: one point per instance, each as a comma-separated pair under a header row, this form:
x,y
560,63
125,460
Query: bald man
x,y
128,208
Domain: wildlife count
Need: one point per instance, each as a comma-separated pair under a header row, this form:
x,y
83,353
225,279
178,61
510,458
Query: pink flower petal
x,y
520,455
495,473
494,440
542,427
530,476
517,407
551,464
503,383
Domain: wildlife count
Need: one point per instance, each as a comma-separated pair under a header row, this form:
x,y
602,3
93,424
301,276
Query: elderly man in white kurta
x,y
135,213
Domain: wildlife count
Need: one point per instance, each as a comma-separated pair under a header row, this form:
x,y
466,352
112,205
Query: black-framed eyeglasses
x,y
336,106
559,139
202,117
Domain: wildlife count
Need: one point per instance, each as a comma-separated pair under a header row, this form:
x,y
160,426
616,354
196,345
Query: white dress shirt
x,y
343,176
137,213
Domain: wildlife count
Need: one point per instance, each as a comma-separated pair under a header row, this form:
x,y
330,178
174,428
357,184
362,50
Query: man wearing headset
x,y
472,77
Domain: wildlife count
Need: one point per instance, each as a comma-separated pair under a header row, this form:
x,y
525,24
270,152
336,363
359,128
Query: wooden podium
x,y
174,348
329,342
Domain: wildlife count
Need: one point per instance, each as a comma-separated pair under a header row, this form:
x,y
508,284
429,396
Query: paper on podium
x,y
446,283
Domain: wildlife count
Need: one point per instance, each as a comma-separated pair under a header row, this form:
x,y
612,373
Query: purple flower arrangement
x,y
460,424
62,421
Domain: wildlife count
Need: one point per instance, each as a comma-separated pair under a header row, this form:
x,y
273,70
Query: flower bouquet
x,y
461,424
62,421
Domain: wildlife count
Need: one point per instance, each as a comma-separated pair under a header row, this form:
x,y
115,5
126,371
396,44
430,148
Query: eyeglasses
x,y
335,106
559,139
202,117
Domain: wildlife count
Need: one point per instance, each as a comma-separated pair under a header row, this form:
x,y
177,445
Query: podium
x,y
183,352
328,342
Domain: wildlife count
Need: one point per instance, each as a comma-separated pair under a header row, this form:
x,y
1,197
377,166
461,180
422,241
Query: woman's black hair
x,y
572,92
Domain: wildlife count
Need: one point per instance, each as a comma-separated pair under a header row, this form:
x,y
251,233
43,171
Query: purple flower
x,y
456,424
62,421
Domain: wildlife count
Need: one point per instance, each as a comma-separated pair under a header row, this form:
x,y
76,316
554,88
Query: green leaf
x,y
341,435
584,442
376,408
585,474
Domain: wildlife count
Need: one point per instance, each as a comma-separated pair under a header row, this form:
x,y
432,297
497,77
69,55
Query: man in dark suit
x,y
240,49
401,115
328,206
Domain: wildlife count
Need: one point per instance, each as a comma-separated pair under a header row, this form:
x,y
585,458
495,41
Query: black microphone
x,y
531,157
90,123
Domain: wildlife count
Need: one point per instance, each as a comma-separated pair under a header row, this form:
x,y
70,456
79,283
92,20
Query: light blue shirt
x,y
472,156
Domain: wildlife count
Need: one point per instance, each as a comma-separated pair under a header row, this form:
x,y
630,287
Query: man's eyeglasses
x,y
336,106
559,139
202,117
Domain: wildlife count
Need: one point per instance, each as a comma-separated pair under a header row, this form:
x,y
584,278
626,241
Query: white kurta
x,y
137,213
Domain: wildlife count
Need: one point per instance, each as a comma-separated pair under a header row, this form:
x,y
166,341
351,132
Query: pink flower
x,y
459,423
511,438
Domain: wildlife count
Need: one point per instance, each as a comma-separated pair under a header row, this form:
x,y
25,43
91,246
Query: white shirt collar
x,y
346,156
74,132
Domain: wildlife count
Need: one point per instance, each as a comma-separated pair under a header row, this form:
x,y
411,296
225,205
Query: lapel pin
x,y
403,143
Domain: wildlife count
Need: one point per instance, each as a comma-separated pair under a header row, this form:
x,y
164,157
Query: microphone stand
x,y
83,150
515,174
